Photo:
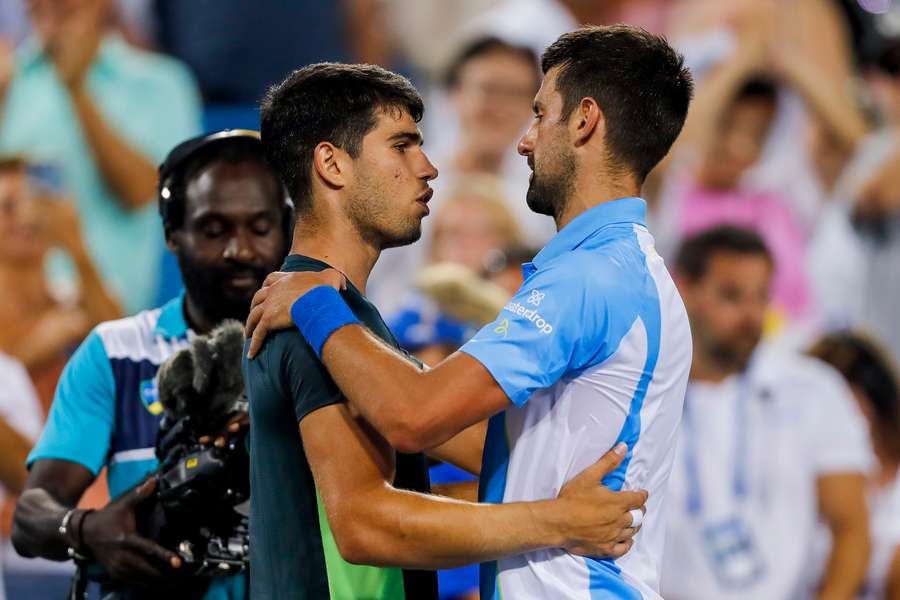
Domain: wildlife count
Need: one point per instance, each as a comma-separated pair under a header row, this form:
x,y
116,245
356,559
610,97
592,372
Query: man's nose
x,y
429,171
239,248
526,144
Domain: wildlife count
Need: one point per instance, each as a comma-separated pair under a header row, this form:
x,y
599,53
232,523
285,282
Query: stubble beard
x,y
377,222
549,193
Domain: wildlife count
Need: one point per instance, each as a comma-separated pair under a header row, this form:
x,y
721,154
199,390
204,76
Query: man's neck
x,y
708,370
195,318
27,279
341,247
594,189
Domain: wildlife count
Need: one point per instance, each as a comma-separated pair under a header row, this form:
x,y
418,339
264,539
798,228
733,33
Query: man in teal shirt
x,y
100,115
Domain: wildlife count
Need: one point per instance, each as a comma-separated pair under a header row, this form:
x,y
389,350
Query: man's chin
x,y
539,203
404,239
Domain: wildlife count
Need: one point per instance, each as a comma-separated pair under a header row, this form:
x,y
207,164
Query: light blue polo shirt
x,y
106,410
593,350
152,102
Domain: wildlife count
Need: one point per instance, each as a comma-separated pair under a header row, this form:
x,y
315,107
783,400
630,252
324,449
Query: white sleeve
x,y
19,404
840,439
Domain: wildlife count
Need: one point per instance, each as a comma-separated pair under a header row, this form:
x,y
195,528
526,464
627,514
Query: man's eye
x,y
213,231
401,147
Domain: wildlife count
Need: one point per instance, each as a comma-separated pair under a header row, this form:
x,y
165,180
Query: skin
x,y
492,100
465,232
727,307
743,132
36,329
373,522
224,211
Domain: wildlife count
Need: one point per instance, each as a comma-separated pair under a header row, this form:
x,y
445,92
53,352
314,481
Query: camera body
x,y
201,507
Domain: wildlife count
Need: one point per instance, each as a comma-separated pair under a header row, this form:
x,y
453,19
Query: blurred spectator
x,y
238,49
705,176
873,382
470,231
20,424
101,115
35,327
770,443
491,86
537,23
855,253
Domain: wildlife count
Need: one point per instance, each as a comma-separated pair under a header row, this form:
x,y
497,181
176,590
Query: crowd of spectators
x,y
790,154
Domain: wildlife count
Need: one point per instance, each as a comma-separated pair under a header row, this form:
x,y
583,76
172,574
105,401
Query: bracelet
x,y
319,313
71,527
64,524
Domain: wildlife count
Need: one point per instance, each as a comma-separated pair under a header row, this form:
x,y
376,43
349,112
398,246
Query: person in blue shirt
x,y
227,219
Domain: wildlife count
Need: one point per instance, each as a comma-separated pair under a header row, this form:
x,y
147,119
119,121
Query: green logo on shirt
x,y
502,328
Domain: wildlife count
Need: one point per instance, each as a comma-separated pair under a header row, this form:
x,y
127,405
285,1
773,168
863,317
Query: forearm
x,y
128,172
713,96
394,394
847,564
464,450
416,531
463,490
14,452
36,522
833,103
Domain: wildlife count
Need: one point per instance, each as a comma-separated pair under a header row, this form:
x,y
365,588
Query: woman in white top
x,y
871,377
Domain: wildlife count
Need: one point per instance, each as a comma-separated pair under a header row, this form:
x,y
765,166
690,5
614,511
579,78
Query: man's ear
x,y
586,121
330,164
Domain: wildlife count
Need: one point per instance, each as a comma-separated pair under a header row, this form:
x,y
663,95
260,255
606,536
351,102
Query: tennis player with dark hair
x,y
593,351
345,141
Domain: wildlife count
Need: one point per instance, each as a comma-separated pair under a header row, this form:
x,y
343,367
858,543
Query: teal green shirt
x,y
152,102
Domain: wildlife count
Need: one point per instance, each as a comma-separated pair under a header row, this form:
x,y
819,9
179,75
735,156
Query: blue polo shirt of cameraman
x,y
106,410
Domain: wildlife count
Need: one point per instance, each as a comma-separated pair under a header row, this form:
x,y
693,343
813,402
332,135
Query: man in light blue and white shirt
x,y
226,220
592,352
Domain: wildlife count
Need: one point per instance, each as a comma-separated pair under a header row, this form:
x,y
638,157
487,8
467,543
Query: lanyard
x,y
739,484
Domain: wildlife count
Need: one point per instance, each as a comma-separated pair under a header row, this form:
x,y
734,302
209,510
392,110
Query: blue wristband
x,y
320,312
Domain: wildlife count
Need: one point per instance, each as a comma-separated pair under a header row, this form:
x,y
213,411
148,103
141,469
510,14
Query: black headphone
x,y
171,168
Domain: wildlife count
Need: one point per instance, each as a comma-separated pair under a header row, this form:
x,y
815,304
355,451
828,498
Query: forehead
x,y
508,61
738,267
547,94
234,188
390,120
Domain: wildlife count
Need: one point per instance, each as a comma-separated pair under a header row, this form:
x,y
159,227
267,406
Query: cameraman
x,y
225,215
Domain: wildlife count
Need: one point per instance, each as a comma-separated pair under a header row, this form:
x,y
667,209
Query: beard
x,y
208,287
548,193
734,354
377,221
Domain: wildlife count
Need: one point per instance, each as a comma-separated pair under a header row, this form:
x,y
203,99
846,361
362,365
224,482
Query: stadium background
x,y
804,179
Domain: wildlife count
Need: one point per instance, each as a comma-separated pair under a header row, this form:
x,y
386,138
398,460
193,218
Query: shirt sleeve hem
x,y
517,397
48,455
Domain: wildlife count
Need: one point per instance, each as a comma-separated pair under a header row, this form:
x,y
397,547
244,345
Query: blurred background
x,y
793,133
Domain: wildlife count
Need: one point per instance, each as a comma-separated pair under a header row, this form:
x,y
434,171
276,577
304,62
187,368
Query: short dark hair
x,y
233,151
330,102
866,366
487,45
639,81
694,255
